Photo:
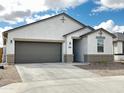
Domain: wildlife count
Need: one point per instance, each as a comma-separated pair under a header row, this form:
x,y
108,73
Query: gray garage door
x,y
37,52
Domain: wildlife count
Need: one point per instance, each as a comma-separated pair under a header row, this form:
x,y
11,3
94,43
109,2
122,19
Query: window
x,y
100,44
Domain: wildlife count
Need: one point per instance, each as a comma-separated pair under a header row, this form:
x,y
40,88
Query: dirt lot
x,y
111,69
9,75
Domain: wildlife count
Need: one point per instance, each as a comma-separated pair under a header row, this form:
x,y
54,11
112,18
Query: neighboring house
x,y
119,47
59,38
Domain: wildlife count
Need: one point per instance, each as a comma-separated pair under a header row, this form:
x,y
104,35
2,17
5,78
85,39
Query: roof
x,y
91,32
44,20
78,30
74,31
120,36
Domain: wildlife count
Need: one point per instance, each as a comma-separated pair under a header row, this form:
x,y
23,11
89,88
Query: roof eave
x,y
47,19
73,32
79,30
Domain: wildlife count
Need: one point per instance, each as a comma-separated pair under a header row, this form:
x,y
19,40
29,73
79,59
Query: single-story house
x,y
59,38
119,47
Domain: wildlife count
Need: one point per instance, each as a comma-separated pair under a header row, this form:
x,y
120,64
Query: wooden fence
x,y
1,53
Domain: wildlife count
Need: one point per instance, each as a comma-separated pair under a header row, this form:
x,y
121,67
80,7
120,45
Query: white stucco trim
x,y
38,40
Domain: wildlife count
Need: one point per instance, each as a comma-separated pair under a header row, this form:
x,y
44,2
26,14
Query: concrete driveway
x,y
53,71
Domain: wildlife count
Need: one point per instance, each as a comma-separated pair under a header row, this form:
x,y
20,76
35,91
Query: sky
x,y
107,14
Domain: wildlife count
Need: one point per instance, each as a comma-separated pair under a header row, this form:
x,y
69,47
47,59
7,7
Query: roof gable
x,y
46,19
99,30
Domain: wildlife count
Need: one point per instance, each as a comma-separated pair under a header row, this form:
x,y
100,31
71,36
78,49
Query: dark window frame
x,y
100,44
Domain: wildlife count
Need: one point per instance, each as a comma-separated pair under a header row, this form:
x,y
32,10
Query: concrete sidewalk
x,y
84,85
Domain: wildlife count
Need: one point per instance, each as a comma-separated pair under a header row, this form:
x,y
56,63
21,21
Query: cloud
x,y
1,8
2,30
62,4
104,5
100,9
37,17
15,16
110,26
12,10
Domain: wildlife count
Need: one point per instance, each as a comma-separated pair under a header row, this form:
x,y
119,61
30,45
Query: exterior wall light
x,y
69,45
10,41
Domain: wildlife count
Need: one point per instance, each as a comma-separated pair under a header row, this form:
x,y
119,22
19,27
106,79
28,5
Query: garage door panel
x,y
30,52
